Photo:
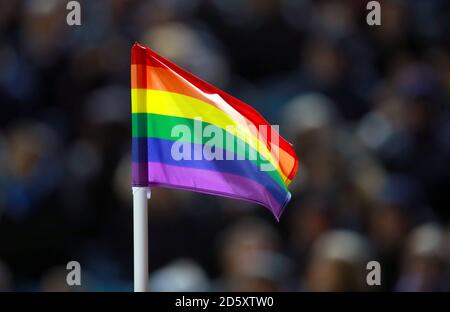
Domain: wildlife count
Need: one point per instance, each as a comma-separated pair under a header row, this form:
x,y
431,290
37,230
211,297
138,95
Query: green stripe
x,y
160,126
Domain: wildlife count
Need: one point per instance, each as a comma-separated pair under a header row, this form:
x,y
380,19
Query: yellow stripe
x,y
175,104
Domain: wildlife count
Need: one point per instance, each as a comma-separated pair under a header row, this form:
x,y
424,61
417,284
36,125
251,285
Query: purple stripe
x,y
210,182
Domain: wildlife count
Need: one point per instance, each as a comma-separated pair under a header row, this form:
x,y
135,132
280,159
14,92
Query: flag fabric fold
x,y
190,135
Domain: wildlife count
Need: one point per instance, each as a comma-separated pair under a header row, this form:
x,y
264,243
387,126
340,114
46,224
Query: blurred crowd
x,y
366,107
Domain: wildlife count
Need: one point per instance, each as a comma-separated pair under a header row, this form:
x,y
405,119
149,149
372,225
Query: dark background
x,y
367,108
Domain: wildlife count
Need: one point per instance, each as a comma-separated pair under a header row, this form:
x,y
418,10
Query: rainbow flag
x,y
190,135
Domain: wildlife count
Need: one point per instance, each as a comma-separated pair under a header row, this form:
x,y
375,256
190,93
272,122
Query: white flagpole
x,y
140,233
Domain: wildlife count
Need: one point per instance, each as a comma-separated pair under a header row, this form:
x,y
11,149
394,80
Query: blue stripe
x,y
159,150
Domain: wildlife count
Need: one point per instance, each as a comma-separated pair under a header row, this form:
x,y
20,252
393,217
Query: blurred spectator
x,y
337,263
250,259
422,268
182,275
